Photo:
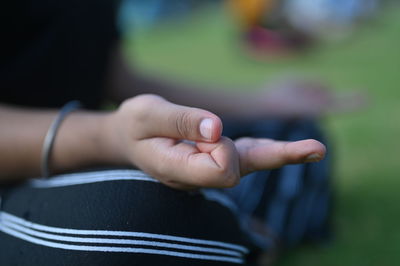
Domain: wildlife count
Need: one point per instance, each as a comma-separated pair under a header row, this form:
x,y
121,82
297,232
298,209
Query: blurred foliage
x,y
205,48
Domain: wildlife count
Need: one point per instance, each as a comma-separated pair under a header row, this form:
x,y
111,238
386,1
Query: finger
x,y
263,154
161,118
183,165
226,157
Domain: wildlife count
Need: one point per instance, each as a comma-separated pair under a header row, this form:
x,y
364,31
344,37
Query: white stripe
x,y
117,241
91,177
117,249
101,173
17,220
62,183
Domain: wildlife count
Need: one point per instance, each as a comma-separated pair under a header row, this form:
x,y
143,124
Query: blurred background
x,y
350,45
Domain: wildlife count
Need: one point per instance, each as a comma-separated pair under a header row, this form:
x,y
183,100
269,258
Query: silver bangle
x,y
52,132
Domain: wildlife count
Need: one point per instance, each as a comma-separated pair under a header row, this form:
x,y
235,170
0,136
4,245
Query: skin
x,y
159,137
146,137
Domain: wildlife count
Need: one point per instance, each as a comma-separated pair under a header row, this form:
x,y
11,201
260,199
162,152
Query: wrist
x,y
82,142
111,149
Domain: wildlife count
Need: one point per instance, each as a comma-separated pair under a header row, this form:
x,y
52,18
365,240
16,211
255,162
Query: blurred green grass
x,y
204,49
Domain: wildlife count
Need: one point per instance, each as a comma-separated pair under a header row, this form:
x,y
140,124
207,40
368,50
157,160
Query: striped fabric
x,y
88,236
125,217
120,241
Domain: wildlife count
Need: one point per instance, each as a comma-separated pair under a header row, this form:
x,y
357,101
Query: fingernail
x,y
206,128
315,157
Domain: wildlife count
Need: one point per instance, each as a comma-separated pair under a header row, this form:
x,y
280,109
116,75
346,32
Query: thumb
x,y
165,119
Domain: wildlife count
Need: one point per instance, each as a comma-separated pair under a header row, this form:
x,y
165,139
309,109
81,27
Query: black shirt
x,y
55,51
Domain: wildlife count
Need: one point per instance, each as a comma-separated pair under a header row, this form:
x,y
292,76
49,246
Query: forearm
x,y
144,131
77,143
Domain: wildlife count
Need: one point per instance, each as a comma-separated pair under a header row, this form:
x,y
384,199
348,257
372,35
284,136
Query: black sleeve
x,y
55,51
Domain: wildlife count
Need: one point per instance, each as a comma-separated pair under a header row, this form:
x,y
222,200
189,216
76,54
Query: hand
x,y
183,147
299,98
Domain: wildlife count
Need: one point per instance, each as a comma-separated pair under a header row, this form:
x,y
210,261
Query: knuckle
x,y
141,101
148,99
287,156
144,101
183,123
138,106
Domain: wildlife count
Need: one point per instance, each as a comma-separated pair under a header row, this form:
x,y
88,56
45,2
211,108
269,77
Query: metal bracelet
x,y
51,135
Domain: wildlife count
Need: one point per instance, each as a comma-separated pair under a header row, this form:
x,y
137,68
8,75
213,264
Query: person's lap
x,y
128,220
142,222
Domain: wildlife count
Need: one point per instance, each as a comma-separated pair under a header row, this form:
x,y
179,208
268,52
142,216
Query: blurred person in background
x,y
57,52
280,27
265,29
